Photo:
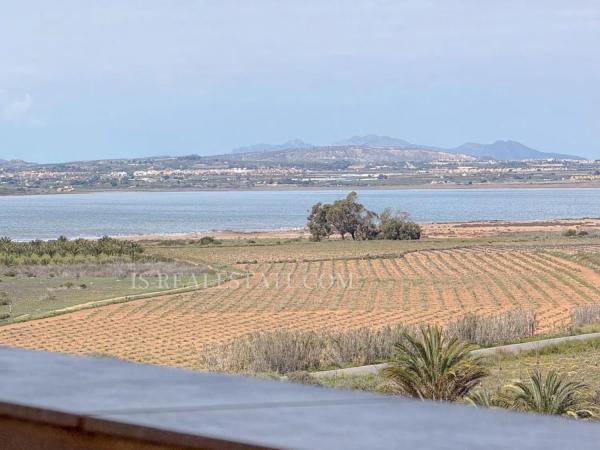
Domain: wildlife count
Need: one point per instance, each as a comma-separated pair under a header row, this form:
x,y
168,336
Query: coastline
x,y
437,230
284,188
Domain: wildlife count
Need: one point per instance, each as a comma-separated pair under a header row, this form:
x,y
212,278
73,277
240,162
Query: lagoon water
x,y
128,213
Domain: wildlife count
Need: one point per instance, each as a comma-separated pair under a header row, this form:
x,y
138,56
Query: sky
x,y
124,78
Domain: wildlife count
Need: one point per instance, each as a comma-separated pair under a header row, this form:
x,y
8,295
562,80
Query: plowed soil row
x,y
423,287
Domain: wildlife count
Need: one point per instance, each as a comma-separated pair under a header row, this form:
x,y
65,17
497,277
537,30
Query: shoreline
x,y
282,188
436,230
430,230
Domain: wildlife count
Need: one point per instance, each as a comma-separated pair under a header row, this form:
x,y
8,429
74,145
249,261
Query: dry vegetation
x,y
309,290
249,251
494,329
37,290
284,351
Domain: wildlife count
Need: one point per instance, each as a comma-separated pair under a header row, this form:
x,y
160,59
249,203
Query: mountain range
x,y
340,155
288,145
499,150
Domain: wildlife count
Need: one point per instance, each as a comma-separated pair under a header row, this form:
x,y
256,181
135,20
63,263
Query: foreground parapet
x,y
50,401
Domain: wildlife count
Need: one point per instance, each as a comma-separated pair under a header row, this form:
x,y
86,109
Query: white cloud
x,y
18,109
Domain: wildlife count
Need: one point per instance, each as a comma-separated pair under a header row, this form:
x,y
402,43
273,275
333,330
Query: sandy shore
x,y
494,228
431,230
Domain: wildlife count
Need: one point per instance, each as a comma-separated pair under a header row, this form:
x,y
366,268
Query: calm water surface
x,y
126,213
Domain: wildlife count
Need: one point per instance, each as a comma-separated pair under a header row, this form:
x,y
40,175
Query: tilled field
x,y
434,286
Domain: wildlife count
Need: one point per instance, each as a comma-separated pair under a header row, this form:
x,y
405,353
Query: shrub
x,y
278,351
585,315
486,330
209,240
114,269
570,232
595,398
362,346
549,394
303,377
62,250
48,296
372,382
397,226
434,367
4,299
545,394
489,399
287,351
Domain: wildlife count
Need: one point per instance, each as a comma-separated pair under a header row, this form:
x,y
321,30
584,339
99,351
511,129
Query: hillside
x,y
348,154
15,164
373,140
501,150
292,144
508,151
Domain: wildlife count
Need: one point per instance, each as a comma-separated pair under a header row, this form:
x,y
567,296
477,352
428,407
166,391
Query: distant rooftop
x,y
58,401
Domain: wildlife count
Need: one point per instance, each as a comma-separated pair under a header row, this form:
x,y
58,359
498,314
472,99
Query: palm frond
x,y
549,394
489,399
434,367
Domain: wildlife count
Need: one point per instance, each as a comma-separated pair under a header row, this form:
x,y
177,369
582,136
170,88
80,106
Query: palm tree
x,y
434,367
550,394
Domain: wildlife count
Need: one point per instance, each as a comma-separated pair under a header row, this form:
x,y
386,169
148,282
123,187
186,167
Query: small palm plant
x,y
489,399
550,394
434,367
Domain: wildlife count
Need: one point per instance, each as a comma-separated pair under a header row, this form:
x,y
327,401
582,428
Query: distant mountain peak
x,y
374,140
297,143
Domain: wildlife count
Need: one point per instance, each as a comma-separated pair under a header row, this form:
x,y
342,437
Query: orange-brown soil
x,y
434,286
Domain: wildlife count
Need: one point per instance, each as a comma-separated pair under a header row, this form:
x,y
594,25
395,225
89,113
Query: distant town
x,y
368,161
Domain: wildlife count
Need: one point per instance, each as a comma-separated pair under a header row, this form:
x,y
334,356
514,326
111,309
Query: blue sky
x,y
99,79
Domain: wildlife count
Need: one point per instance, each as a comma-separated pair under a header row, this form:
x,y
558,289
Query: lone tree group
x,y
348,217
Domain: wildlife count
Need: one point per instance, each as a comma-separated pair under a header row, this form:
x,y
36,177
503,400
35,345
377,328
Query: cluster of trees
x,y
10,251
347,217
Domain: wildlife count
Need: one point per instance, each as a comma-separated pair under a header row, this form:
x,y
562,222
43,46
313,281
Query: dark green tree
x,y
396,226
318,225
347,216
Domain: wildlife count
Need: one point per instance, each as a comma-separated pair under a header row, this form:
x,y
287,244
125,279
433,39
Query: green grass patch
x,y
34,297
